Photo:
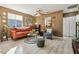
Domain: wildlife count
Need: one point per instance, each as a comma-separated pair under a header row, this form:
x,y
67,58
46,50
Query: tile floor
x,y
59,45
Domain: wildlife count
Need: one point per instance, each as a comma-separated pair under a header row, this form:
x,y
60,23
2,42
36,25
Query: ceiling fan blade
x,y
41,12
35,14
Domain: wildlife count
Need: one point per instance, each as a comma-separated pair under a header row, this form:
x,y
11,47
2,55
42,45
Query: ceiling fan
x,y
40,12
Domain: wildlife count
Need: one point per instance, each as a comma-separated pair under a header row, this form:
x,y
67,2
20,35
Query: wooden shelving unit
x,y
3,28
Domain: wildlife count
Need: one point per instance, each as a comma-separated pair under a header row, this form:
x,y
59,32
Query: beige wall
x,y
57,19
57,22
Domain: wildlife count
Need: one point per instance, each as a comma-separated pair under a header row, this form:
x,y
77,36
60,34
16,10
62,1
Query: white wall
x,y
77,18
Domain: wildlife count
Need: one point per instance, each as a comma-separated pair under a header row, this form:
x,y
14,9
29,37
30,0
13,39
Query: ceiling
x,y
31,8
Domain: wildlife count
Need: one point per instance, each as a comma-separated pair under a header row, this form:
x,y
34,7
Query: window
x,y
15,20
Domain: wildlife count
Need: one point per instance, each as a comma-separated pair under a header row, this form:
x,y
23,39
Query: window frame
x,y
15,17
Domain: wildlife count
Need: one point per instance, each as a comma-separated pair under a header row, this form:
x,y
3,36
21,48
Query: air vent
x,y
73,6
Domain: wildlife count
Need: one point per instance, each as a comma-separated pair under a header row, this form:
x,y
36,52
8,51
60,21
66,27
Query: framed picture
x,y
48,20
28,21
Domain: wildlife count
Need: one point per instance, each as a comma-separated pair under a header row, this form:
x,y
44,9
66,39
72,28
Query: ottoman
x,y
40,42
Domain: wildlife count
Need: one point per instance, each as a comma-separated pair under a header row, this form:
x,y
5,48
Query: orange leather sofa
x,y
19,33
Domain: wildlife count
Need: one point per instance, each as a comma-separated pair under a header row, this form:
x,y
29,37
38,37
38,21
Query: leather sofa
x,y
16,33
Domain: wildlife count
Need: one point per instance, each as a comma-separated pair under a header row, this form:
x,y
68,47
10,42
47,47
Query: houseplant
x,y
4,31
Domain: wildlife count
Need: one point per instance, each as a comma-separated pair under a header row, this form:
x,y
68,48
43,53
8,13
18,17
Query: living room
x,y
38,28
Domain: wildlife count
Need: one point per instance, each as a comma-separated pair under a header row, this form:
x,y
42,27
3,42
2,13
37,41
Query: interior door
x,y
69,26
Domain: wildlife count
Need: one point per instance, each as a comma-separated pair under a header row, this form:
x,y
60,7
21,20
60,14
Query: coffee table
x,y
31,39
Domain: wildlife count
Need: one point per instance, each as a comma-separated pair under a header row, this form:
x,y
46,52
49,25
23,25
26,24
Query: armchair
x,y
48,33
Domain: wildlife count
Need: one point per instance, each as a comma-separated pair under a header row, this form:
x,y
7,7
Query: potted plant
x,y
4,32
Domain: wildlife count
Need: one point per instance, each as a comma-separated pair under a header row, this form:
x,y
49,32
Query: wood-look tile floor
x,y
58,45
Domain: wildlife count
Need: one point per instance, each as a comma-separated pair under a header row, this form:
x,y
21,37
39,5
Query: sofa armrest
x,y
13,33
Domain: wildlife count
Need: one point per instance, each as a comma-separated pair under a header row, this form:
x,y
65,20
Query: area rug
x,y
30,40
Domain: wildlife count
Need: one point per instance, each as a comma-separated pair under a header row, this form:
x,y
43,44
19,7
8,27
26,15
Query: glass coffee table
x,y
31,39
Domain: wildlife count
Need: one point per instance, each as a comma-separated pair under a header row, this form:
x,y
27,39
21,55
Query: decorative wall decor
x,y
4,13
3,21
48,21
27,21
30,21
